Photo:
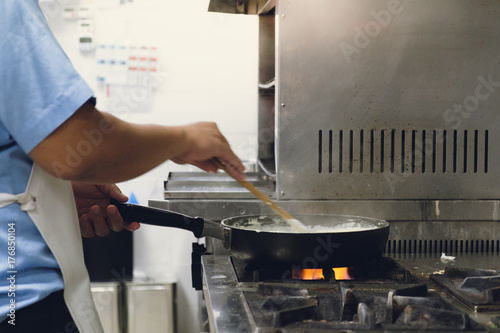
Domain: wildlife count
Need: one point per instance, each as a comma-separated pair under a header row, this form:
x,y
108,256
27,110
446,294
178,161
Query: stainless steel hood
x,y
378,99
387,99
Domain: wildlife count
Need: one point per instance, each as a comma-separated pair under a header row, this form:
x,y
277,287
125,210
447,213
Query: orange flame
x,y
341,273
308,274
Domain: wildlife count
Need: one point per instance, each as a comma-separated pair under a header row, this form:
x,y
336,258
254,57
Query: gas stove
x,y
390,294
411,289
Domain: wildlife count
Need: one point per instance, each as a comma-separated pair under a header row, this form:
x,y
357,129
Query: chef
x,y
55,146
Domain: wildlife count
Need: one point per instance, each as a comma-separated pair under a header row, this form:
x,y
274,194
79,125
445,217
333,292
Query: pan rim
x,y
378,224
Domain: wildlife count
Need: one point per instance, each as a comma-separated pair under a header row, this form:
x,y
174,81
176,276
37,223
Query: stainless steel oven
x,y
379,108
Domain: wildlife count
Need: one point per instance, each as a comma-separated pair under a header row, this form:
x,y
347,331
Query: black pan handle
x,y
160,217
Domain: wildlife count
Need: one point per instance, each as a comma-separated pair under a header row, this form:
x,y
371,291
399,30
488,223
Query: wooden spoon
x,y
296,225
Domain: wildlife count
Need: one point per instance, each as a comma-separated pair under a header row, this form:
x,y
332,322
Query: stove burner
x,y
478,289
429,312
382,296
339,307
380,270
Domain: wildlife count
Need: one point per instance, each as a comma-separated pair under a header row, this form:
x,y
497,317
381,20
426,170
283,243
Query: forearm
x,y
130,150
97,147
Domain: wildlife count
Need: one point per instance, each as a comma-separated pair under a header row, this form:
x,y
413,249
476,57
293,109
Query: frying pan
x,y
331,240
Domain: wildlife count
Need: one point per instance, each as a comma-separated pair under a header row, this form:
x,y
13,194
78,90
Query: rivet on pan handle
x,y
226,233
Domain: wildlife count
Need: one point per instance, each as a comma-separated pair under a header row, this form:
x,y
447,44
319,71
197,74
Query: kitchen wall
x,y
207,71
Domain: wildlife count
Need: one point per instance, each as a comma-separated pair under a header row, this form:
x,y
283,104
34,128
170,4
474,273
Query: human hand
x,y
206,142
95,214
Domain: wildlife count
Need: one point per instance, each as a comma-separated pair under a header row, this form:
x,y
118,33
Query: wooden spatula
x,y
294,223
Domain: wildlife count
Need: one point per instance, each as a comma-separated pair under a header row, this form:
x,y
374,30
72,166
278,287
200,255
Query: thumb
x,y
114,192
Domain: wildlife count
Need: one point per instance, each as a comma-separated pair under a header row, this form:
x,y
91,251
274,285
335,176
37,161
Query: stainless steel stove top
x,y
237,304
420,231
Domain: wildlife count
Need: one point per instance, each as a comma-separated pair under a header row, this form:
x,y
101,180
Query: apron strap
x,y
26,200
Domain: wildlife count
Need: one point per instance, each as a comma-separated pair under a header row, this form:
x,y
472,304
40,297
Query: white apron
x,y
50,203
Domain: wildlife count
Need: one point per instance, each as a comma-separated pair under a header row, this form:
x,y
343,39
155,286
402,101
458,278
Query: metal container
x,y
109,303
150,307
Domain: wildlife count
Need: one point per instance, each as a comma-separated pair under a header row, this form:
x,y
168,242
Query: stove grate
x,y
478,289
347,307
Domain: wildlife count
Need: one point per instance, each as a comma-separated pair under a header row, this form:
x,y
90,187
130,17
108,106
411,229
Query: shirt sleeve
x,y
39,87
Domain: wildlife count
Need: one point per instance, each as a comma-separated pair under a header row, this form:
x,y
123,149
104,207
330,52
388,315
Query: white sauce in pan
x,y
336,224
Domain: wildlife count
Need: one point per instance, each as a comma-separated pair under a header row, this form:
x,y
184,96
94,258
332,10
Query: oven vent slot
x,y
403,151
413,246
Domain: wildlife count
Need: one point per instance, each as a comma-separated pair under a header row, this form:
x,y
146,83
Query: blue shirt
x,y
39,90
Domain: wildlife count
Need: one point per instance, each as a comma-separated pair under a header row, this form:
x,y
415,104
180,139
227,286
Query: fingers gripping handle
x,y
160,217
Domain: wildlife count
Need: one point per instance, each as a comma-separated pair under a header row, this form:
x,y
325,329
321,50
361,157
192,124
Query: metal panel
x,y
109,303
150,307
224,298
202,185
404,71
391,210
266,124
241,6
450,237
